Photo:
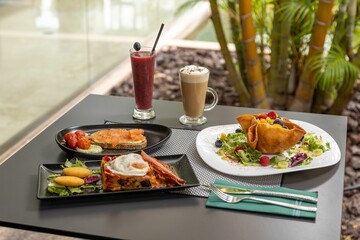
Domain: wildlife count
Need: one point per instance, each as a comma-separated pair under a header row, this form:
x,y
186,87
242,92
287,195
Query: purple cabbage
x,y
297,158
92,179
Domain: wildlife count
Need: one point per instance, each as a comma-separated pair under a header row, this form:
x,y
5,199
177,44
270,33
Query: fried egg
x,y
131,164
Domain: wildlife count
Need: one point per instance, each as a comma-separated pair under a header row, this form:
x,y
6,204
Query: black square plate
x,y
179,163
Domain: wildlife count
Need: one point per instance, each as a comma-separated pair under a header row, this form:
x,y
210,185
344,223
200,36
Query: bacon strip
x,y
159,167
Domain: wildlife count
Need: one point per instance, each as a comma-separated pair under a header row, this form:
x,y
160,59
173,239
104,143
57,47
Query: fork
x,y
232,199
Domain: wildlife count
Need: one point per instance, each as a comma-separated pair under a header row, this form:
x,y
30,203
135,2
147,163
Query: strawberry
x,y
264,160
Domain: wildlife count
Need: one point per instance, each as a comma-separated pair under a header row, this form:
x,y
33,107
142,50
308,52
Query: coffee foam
x,y
193,74
193,70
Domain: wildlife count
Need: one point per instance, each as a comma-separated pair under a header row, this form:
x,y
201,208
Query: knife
x,y
245,191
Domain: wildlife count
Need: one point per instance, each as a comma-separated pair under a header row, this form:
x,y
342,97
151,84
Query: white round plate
x,y
205,146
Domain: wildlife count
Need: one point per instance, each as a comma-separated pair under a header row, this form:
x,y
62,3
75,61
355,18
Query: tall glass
x,y
143,68
194,86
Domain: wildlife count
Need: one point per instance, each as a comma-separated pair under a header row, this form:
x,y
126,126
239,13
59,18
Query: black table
x,y
161,215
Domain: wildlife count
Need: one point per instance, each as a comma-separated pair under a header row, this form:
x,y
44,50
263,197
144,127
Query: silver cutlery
x,y
232,199
238,190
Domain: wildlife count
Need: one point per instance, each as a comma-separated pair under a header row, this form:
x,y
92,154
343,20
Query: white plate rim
x,y
205,146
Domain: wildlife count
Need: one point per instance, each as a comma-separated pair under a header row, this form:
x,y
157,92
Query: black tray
x,y
155,134
180,166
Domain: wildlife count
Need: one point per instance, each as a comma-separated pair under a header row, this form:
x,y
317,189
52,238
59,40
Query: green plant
x,y
299,55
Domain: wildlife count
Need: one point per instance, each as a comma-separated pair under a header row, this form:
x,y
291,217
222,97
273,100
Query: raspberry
x,y
272,115
264,160
262,116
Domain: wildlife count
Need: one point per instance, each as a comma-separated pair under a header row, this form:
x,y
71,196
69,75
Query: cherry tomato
x,y
67,136
83,143
71,139
80,134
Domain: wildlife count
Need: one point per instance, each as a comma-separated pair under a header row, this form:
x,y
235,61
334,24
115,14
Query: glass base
x,y
190,121
143,114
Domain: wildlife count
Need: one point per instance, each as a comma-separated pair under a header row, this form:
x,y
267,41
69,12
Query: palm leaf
x,y
301,13
333,70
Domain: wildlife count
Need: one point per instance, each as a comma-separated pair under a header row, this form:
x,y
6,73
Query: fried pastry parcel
x,y
270,134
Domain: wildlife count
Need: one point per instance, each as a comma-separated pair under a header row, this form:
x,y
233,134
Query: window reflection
x,y
47,20
50,50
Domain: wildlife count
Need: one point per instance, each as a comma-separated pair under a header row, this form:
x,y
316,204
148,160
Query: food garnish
x,y
137,46
264,160
75,179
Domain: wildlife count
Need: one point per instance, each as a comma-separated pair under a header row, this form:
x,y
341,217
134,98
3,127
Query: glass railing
x,y
50,50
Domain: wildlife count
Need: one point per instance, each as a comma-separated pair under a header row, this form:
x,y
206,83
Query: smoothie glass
x,y
143,67
194,86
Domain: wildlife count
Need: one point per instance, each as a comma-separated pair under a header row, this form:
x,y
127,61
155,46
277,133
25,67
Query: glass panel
x,y
41,64
50,50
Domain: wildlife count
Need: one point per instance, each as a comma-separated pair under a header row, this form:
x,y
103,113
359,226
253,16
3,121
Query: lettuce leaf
x,y
77,163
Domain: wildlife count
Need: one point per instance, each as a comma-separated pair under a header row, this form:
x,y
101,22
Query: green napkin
x,y
253,206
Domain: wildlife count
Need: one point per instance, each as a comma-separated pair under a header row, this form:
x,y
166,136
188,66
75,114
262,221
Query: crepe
x,y
270,138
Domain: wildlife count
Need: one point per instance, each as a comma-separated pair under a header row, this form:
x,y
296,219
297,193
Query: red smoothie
x,y
143,67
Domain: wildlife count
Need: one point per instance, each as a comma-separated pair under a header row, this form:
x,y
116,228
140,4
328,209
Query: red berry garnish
x,y
272,115
262,116
238,148
264,160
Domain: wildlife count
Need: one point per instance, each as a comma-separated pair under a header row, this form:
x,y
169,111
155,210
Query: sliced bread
x,y
119,139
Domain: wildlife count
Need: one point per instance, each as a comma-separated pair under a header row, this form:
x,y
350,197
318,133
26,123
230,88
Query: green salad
x,y
92,183
234,147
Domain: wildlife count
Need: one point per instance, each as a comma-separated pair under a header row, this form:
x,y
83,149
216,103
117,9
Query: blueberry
x,y
137,46
218,143
238,130
278,121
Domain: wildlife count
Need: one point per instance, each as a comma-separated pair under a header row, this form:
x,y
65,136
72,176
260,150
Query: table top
x,y
160,215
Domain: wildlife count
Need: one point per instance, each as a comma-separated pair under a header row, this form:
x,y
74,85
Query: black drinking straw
x,y
157,39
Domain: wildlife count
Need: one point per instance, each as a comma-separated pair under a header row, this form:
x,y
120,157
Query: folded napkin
x,y
254,206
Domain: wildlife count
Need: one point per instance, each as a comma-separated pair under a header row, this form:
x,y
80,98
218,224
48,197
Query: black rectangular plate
x,y
156,135
180,166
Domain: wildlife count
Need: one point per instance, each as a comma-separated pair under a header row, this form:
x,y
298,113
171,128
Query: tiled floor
x,y
13,234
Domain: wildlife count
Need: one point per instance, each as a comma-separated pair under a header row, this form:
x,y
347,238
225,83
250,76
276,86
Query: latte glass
x,y
194,87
